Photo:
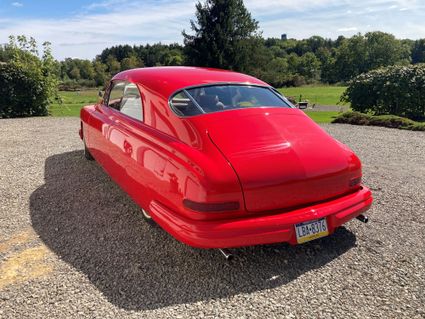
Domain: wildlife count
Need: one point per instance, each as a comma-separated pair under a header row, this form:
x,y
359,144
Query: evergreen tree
x,y
224,36
418,51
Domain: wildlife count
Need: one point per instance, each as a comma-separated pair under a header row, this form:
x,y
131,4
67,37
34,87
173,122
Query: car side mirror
x,y
100,93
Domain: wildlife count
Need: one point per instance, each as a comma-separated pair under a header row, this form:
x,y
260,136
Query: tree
x,y
130,62
113,64
86,69
225,34
350,57
327,61
383,49
101,76
309,66
362,53
75,73
418,51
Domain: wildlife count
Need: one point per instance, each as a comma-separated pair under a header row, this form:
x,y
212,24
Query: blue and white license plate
x,y
311,230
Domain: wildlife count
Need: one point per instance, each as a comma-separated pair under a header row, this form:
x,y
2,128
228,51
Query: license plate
x,y
311,230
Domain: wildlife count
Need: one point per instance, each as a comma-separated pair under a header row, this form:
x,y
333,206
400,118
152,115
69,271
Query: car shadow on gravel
x,y
90,223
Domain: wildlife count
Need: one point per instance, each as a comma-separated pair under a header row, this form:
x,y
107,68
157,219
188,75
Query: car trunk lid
x,y
282,158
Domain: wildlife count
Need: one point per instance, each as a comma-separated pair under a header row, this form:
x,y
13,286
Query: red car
x,y
220,159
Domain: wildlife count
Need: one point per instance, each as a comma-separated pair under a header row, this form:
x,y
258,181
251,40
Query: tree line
x,y
224,35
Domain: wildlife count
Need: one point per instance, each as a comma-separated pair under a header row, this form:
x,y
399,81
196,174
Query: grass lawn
x,y
73,102
322,95
322,116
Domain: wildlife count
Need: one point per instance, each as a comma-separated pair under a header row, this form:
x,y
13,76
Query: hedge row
x,y
396,90
391,121
22,92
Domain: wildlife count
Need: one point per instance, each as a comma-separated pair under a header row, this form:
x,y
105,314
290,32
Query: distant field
x,y
321,95
73,102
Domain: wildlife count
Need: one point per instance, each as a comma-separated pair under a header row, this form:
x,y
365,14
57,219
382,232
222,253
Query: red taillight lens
x,y
210,207
355,181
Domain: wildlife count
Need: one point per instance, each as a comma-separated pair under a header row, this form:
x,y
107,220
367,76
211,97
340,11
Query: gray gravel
x,y
73,245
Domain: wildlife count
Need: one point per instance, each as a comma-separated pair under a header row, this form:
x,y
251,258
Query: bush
x,y
27,82
22,93
391,121
396,90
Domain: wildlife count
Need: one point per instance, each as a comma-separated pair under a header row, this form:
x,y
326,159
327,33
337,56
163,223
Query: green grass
x,y
73,102
321,95
322,116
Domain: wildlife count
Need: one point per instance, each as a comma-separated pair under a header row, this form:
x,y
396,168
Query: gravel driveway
x,y
73,245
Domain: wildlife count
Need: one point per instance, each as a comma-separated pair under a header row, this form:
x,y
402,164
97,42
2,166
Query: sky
x,y
83,28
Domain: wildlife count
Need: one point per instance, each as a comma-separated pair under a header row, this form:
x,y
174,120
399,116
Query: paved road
x,y
73,245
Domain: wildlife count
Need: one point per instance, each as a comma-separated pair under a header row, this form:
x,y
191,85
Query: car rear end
x,y
297,182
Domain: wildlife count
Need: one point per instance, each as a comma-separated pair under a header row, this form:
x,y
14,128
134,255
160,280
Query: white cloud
x,y
17,4
104,4
347,29
86,35
296,5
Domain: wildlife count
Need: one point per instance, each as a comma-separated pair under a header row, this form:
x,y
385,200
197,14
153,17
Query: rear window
x,y
209,99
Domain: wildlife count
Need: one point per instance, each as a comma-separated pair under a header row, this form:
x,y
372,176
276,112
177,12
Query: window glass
x,y
225,97
116,94
183,105
131,103
125,97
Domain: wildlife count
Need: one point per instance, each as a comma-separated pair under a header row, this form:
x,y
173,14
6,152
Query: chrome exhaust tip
x,y
363,218
227,254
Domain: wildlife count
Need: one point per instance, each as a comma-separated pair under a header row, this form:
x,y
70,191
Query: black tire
x,y
87,153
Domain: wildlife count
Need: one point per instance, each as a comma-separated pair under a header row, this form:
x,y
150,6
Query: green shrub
x,y
27,82
391,121
22,93
396,90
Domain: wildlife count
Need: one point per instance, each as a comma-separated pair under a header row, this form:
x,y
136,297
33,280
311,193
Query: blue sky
x,y
82,28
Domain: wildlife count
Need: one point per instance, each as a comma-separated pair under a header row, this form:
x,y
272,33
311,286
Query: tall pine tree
x,y
225,36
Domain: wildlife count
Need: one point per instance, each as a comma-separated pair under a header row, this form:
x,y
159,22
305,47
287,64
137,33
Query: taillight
x,y
355,181
210,207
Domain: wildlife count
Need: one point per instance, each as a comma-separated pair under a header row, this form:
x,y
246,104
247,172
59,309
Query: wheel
x,y
147,217
87,154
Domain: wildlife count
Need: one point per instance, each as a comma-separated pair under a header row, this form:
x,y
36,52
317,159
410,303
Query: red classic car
x,y
220,159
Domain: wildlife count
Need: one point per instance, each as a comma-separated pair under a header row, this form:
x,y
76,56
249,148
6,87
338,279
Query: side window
x,y
131,103
116,94
125,97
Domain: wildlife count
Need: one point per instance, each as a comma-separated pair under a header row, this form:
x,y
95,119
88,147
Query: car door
x,y
111,140
135,155
130,146
98,128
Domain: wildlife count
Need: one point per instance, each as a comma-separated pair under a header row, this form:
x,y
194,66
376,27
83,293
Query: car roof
x,y
167,80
